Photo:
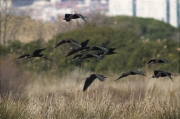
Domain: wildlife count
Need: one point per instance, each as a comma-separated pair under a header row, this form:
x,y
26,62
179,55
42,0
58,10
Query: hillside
x,y
53,88
133,45
26,29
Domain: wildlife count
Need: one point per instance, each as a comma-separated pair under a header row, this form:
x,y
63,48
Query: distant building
x,y
164,10
120,7
18,3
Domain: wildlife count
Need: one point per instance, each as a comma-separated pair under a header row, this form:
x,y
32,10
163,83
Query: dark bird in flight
x,y
86,48
95,48
69,40
154,61
34,54
68,17
110,51
131,73
83,56
159,73
90,79
75,50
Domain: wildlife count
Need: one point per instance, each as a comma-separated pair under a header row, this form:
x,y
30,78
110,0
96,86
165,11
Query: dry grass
x,y
12,79
133,97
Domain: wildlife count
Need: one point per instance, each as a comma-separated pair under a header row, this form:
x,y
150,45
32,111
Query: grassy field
x,y
133,97
39,89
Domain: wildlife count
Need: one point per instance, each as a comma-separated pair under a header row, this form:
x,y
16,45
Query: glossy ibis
x,y
75,50
90,79
131,73
68,17
95,48
83,56
69,40
159,73
34,54
154,61
110,51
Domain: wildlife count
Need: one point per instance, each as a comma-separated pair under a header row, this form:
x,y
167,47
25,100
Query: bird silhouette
x,y
34,54
87,48
130,73
68,17
110,51
95,48
159,73
75,50
84,56
154,61
90,79
69,40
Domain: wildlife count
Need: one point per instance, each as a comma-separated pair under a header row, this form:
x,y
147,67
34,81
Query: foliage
x,y
147,27
56,92
127,36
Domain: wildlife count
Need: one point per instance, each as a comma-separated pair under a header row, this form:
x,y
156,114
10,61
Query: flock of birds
x,y
81,47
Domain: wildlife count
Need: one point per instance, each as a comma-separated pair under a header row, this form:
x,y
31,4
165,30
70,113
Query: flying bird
x,y
83,56
68,17
69,40
110,51
90,79
36,53
154,61
95,48
131,73
75,50
159,73
87,48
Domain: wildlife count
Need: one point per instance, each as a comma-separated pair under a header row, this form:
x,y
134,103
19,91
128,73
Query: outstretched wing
x,y
75,43
139,72
80,16
88,81
68,40
100,48
61,42
73,52
84,44
96,56
123,75
101,53
151,61
38,51
168,74
24,56
77,56
100,77
164,61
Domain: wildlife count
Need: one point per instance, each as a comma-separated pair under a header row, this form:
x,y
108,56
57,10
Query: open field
x,y
52,89
133,97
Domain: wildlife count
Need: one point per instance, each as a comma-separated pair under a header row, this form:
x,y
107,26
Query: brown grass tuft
x,y
131,97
